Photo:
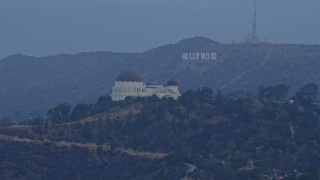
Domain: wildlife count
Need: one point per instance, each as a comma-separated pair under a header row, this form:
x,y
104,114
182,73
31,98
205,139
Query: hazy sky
x,y
47,27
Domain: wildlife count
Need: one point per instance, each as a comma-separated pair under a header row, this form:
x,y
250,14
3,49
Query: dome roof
x,y
172,82
129,76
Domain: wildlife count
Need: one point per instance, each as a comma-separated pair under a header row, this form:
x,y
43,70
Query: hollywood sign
x,y
199,56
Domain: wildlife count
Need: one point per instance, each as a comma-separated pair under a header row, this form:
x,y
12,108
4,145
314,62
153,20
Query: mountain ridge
x,y
31,85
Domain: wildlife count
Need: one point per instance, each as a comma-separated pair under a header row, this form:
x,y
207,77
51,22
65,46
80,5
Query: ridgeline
x,y
31,85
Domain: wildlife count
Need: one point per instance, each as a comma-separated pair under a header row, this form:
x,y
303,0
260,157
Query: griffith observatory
x,y
130,84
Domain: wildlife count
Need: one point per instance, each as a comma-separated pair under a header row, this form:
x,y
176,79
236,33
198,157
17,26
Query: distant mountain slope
x,y
30,85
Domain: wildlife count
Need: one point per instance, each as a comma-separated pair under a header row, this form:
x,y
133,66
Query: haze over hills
x,y
31,85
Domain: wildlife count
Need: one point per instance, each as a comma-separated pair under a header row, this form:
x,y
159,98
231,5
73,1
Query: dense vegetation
x,y
205,135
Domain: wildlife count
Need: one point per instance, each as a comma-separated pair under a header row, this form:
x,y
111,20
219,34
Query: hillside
x,y
30,85
201,136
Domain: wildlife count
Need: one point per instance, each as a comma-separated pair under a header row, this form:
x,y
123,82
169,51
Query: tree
x,y
60,113
6,121
80,111
205,94
306,94
278,92
218,99
188,98
104,103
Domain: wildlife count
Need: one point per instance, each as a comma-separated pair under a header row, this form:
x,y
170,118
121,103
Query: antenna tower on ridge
x,y
254,36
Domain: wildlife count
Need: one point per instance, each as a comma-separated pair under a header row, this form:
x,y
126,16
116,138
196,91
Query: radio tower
x,y
254,36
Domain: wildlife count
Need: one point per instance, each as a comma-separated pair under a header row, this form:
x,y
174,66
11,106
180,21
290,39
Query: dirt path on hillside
x,y
91,146
263,62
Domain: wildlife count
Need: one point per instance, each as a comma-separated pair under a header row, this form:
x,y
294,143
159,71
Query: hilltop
x,y
30,85
200,136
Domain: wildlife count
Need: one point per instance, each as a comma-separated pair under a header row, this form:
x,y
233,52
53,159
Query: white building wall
x,y
121,90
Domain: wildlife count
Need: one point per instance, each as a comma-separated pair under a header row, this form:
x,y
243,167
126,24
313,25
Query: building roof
x,y
153,83
129,76
172,82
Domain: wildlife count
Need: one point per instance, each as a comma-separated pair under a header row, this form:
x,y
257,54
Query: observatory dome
x,y
172,82
129,76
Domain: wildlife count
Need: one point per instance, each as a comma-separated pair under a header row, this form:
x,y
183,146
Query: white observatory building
x,y
130,84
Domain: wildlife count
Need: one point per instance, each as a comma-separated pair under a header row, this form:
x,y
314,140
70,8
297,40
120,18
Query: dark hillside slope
x,y
30,85
164,139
